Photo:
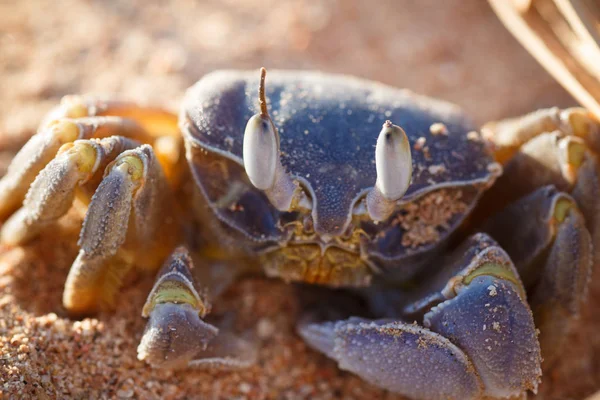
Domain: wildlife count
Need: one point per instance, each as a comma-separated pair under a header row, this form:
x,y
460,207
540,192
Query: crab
x,y
470,276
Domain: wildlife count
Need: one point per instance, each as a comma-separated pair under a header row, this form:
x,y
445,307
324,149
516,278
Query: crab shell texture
x,y
328,127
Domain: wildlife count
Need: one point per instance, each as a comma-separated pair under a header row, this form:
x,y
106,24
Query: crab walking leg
x,y
156,121
546,236
479,340
506,137
586,193
43,146
30,160
548,147
555,234
158,126
130,219
52,192
176,335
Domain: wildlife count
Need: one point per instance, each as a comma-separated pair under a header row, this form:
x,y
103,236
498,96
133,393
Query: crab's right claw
x,y
479,341
176,335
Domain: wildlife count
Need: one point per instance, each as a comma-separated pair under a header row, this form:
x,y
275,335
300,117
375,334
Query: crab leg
x,y
550,236
52,192
546,236
586,193
79,117
43,146
508,136
154,125
176,335
478,340
547,147
156,121
130,217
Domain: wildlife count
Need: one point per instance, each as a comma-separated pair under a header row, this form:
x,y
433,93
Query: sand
x,y
455,50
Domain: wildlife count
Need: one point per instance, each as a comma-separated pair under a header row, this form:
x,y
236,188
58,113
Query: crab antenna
x,y
262,159
393,163
261,94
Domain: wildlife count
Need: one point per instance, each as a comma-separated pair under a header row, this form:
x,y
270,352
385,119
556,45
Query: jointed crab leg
x,y
43,146
130,218
586,193
154,125
52,192
548,234
156,121
176,335
30,160
507,137
79,117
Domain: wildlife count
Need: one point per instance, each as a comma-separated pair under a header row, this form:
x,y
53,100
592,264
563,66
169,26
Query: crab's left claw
x,y
176,335
554,255
399,357
479,339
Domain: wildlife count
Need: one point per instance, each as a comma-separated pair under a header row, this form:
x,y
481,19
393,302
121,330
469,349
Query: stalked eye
x,y
260,151
262,163
393,162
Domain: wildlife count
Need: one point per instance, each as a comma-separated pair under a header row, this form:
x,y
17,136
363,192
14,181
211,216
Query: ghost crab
x,y
302,197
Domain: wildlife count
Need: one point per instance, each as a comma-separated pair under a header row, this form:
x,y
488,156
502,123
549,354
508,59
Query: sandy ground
x,y
455,50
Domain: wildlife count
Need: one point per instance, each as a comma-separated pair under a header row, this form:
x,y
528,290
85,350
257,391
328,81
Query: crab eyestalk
x,y
262,159
393,162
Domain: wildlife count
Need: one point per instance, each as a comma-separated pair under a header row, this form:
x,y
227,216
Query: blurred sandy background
x,y
152,51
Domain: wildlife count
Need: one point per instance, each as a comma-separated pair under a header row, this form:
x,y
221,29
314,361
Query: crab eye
x,y
260,152
262,163
393,162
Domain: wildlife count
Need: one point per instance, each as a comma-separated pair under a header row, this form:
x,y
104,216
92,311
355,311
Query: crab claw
x,y
553,252
399,357
478,338
176,333
262,162
393,162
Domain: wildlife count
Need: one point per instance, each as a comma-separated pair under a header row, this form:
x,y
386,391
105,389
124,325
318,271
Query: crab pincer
x,y
176,335
477,337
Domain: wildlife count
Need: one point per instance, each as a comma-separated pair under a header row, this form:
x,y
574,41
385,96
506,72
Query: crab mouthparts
x,y
317,264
